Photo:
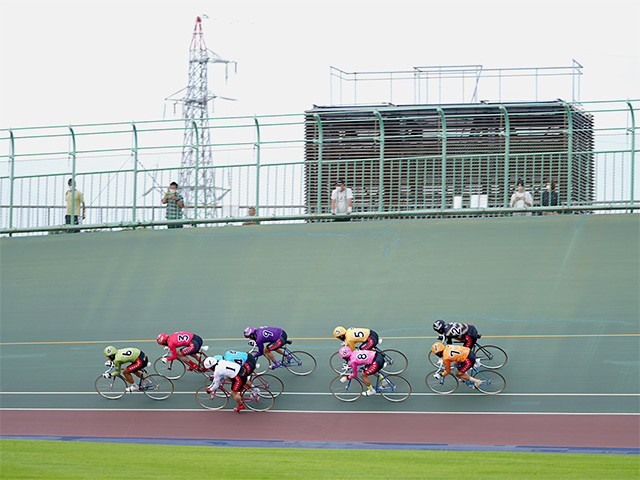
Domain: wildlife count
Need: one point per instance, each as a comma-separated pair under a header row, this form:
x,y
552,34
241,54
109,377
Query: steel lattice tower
x,y
196,110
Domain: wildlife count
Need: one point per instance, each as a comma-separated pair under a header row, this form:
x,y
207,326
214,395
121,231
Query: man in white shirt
x,y
521,199
238,373
341,199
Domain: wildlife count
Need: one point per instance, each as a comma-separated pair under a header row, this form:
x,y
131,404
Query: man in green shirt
x,y
175,203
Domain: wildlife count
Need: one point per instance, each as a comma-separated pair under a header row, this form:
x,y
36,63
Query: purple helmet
x,y
249,331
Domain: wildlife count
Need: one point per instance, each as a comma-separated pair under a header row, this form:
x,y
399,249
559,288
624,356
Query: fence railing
x,y
286,166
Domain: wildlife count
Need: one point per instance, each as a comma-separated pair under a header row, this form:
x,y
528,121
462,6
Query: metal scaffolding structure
x,y
197,181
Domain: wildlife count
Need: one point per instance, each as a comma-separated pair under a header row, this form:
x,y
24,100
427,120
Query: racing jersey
x,y
354,335
178,339
360,357
455,331
224,368
266,335
237,357
454,353
125,355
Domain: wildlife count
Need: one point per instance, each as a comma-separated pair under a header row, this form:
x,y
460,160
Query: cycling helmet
x,y
339,332
249,331
438,326
437,348
345,352
110,351
162,338
210,363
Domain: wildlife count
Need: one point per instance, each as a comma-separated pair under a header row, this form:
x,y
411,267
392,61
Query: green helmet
x,y
110,351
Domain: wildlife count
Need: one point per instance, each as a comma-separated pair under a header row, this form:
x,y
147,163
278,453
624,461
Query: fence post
x,y
507,147
73,177
257,145
135,171
197,171
443,137
569,132
12,174
381,161
633,151
320,144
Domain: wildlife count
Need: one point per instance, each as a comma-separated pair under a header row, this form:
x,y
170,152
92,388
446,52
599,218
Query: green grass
x,y
51,460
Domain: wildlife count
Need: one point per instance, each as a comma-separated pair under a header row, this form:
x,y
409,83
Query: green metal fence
x,y
286,166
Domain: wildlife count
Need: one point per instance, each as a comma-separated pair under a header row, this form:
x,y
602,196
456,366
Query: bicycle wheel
x,y
269,382
492,382
336,362
394,388
491,357
262,365
349,391
157,387
110,388
300,363
444,385
260,401
212,401
433,360
171,370
395,362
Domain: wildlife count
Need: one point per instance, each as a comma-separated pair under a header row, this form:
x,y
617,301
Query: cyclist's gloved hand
x,y
437,376
441,338
106,375
344,344
164,360
108,363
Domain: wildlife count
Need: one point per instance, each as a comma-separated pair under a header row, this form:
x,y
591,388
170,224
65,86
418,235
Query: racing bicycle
x,y
256,398
392,387
156,387
492,382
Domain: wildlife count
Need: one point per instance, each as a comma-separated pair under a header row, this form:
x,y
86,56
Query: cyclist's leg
x,y
374,368
465,366
141,362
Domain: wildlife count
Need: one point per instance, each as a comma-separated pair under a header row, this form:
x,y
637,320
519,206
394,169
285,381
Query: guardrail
x,y
124,169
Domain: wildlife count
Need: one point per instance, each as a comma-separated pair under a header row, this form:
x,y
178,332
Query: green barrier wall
x,y
575,276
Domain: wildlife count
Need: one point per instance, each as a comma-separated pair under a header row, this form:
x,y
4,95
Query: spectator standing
x,y
175,203
521,199
74,200
251,213
550,197
341,200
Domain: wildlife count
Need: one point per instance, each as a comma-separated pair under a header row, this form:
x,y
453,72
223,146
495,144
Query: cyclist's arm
x,y
447,367
118,366
354,373
174,351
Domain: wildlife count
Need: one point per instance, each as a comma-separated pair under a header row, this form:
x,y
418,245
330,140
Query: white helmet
x,y
210,363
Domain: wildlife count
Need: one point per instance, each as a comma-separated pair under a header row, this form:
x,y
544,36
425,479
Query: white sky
x,y
94,61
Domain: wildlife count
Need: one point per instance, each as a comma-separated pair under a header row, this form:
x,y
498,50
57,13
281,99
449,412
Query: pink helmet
x,y
345,352
162,338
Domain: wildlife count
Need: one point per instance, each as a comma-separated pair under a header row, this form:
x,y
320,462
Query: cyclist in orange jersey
x,y
461,357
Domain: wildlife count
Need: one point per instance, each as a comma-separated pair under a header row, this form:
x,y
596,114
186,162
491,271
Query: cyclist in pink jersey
x,y
372,360
190,343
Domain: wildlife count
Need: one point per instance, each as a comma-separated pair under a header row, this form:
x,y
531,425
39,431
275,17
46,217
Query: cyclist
x,y
239,374
461,357
353,335
233,356
267,340
371,360
190,343
462,332
135,356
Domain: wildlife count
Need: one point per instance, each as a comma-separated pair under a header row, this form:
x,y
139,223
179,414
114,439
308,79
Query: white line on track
x,y
332,412
425,394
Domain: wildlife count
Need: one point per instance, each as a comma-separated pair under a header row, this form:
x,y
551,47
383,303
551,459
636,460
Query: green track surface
x,y
575,279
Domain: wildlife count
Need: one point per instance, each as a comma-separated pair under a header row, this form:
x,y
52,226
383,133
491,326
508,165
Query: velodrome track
x,y
560,295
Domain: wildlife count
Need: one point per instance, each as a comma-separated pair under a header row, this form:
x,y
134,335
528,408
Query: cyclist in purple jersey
x,y
268,339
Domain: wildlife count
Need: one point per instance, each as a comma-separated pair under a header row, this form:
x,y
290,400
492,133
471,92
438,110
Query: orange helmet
x,y
437,348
